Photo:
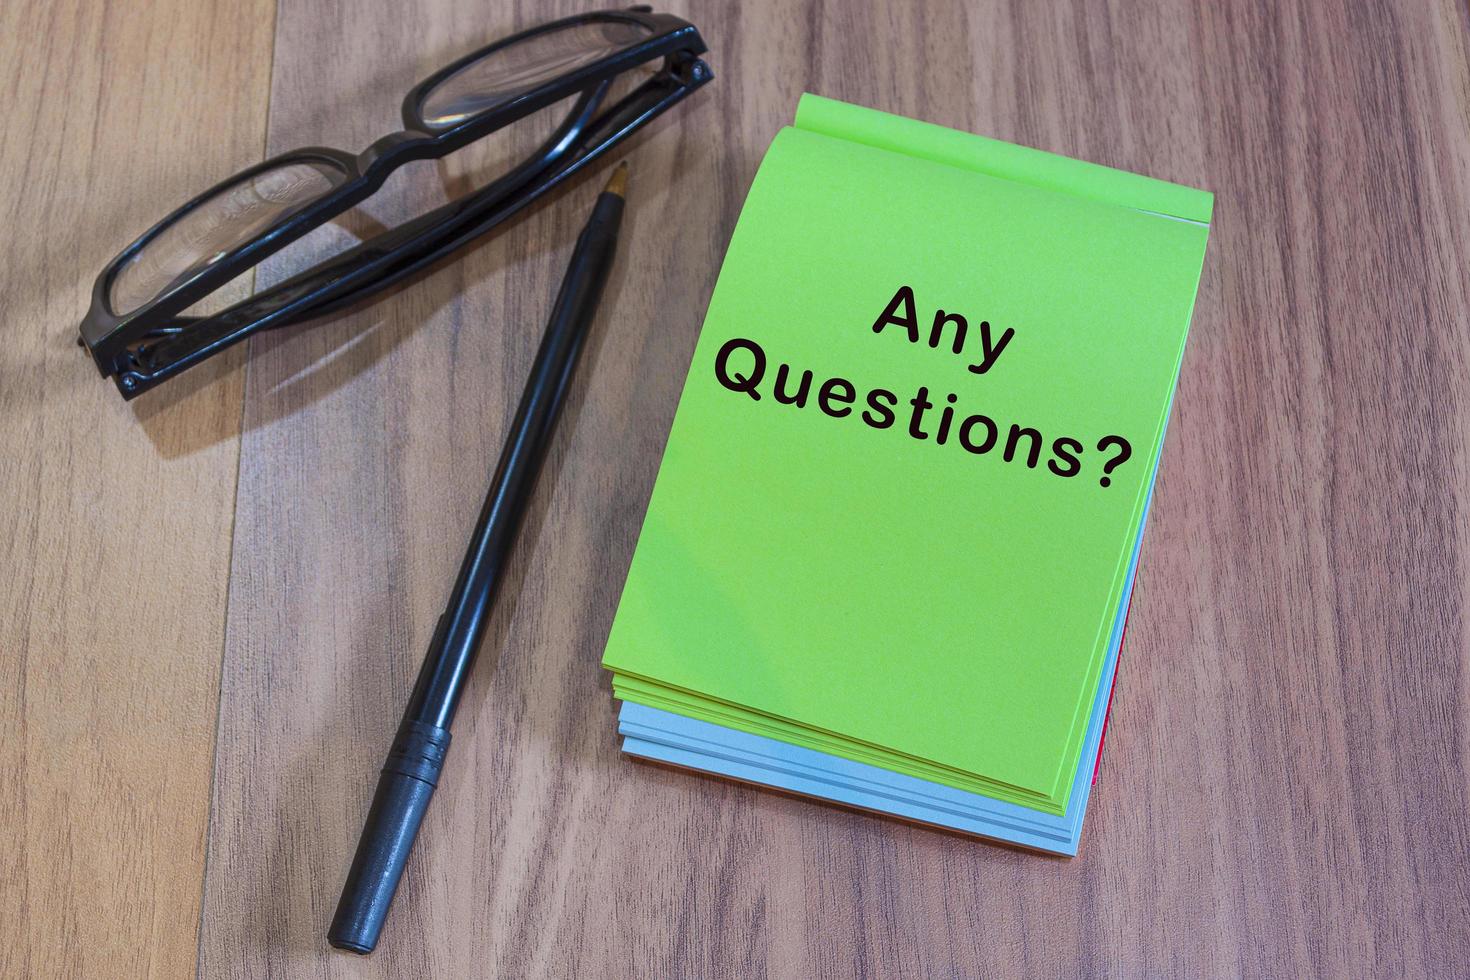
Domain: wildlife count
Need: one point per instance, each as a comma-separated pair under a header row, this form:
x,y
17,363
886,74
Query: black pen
x,y
417,755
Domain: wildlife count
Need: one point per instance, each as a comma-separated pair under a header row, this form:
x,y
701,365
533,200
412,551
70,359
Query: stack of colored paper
x,y
892,543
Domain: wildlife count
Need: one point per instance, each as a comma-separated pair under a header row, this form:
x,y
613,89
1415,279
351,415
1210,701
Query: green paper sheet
x,y
808,574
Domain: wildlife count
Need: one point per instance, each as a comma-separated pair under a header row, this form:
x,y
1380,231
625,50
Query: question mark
x,y
1124,451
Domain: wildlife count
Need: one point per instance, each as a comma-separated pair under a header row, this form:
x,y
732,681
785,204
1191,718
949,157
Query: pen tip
x,y
619,183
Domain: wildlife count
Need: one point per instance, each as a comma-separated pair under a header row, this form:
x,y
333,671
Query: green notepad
x,y
908,468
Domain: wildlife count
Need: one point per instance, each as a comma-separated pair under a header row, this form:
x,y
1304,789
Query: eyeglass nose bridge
x,y
393,148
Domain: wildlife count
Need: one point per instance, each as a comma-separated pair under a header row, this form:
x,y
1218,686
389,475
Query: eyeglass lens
x,y
506,72
211,230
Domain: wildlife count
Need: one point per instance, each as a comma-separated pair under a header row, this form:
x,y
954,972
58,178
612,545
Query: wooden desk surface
x,y
214,599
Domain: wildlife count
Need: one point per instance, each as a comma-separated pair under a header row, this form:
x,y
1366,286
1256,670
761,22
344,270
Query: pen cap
x,y
403,794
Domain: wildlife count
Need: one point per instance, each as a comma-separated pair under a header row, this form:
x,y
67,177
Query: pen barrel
x,y
441,680
402,797
413,766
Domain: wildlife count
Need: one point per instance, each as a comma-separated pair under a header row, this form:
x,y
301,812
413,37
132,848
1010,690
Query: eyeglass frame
x,y
145,346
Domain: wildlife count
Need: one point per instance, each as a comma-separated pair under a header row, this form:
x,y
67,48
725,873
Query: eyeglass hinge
x,y
689,69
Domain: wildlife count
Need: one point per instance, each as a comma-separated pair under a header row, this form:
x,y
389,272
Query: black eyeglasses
x,y
136,329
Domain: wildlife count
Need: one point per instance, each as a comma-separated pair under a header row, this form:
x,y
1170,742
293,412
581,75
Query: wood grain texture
x,y
1285,790
115,518
1286,785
